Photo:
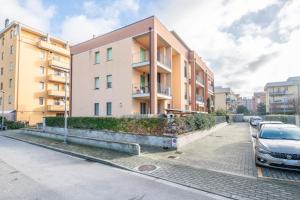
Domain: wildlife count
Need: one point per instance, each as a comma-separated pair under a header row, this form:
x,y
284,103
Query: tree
x,y
208,105
261,109
242,110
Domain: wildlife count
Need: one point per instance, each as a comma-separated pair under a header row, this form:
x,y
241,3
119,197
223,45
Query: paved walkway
x,y
192,168
34,173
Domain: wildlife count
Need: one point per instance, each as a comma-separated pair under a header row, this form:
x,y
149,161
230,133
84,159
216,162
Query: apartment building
x,y
33,66
283,97
142,68
226,99
258,97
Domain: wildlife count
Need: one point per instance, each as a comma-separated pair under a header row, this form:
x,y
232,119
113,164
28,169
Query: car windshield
x,y
280,133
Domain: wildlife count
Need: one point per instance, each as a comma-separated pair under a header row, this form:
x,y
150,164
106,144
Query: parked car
x,y
254,121
261,124
278,146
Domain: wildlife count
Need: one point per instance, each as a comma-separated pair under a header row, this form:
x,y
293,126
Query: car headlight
x,y
262,150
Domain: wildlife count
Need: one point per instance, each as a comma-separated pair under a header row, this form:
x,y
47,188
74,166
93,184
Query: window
x,y
42,70
185,69
142,54
41,101
2,70
2,55
97,83
1,86
185,91
41,85
57,73
109,81
108,108
3,41
42,55
10,83
11,49
11,66
9,99
96,109
11,34
97,57
109,54
143,109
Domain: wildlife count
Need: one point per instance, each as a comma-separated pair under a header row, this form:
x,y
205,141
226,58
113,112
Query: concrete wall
x,y
113,145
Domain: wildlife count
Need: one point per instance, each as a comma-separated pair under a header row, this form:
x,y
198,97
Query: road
x,y
31,172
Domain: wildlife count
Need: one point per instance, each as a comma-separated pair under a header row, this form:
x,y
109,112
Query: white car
x,y
254,121
261,124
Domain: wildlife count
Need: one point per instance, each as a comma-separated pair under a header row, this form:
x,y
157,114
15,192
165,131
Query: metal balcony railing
x,y
211,88
145,89
200,79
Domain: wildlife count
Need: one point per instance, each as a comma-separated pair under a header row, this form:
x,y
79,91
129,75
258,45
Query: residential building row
x,y
225,99
142,68
283,97
32,68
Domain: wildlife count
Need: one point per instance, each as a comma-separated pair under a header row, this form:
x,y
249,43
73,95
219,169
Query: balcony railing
x,y
164,61
57,93
57,108
211,88
200,80
199,99
51,47
275,93
56,78
59,64
140,57
142,89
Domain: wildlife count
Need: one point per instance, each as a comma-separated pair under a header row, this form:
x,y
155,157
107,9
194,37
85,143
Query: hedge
x,y
149,126
13,124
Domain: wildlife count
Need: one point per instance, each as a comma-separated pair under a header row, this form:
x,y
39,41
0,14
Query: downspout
x,y
70,85
150,64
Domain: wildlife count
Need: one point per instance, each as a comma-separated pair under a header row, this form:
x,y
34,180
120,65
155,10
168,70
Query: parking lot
x,y
266,172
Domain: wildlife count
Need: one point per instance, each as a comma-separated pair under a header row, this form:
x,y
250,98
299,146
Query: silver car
x,y
278,146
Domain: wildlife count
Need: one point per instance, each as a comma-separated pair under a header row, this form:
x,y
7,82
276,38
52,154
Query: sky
x,y
245,43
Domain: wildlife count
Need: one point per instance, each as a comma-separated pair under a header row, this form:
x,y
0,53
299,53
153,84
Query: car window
x,y
281,133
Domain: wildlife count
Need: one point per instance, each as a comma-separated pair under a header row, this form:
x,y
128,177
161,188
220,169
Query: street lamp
x,y
2,123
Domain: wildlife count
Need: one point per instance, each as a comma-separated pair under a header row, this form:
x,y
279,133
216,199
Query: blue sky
x,y
246,43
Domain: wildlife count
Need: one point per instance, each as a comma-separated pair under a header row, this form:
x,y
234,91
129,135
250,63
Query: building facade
x,y
283,97
225,99
142,68
258,97
32,77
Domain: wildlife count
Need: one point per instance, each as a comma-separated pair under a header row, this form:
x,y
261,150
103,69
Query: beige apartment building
x,y
225,99
33,66
283,97
142,68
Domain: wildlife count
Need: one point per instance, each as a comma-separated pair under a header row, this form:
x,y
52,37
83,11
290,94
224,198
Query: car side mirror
x,y
254,135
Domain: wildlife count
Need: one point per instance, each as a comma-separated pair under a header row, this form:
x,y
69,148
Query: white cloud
x,y
247,61
97,18
30,12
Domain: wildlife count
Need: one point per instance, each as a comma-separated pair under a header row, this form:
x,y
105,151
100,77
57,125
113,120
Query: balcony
x,y
51,47
57,108
141,91
211,89
56,78
199,81
278,93
141,62
58,64
56,93
199,100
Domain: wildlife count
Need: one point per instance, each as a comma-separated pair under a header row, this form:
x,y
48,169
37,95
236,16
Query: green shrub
x,y
220,112
13,124
131,125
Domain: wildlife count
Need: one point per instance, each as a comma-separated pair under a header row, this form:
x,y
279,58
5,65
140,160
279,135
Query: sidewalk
x,y
224,184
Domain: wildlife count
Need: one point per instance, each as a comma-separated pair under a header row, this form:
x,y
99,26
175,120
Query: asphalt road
x,y
31,172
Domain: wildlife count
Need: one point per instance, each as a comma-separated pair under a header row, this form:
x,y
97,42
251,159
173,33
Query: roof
x,y
220,89
13,23
290,81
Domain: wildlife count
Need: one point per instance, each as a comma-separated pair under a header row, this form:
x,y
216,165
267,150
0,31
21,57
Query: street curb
x,y
106,162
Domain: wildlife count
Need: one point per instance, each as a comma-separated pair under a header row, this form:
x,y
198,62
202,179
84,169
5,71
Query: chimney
x,y
6,22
